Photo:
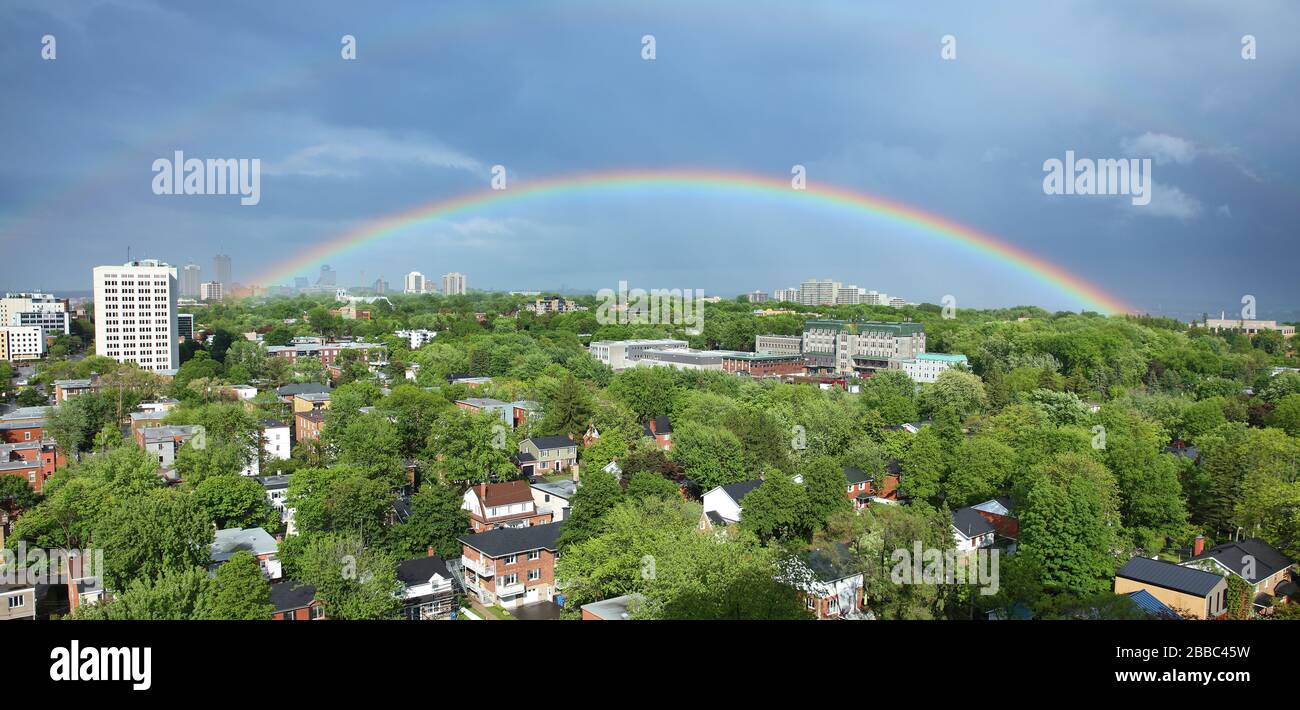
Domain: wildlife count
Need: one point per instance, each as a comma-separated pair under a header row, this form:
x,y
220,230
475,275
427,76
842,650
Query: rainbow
x,y
1089,295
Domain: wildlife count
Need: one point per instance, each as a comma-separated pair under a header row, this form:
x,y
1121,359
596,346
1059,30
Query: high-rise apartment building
x,y
848,296
22,343
454,284
135,314
41,310
380,286
211,291
789,295
818,293
328,277
221,269
191,277
414,283
757,296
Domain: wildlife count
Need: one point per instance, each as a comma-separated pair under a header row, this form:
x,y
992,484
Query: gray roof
x,y
231,540
274,482
551,442
512,541
854,475
289,595
1237,556
830,565
302,388
1170,576
564,489
421,569
738,491
970,523
615,609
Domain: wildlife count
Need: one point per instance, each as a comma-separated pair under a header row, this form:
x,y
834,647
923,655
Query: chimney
x,y
1198,547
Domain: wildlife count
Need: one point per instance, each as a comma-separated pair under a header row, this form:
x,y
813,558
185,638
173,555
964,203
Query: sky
x,y
861,96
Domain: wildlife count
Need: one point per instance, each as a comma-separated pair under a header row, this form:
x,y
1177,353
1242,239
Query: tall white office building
x,y
454,284
414,282
191,277
818,293
135,314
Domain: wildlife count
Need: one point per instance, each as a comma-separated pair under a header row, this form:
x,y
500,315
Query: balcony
x,y
509,590
483,569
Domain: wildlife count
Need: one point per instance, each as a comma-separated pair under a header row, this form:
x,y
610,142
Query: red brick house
x,y
308,425
33,461
498,505
659,429
861,488
295,602
511,566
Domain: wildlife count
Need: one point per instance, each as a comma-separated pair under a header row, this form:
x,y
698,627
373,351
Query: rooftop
x,y
231,540
1169,576
615,609
511,541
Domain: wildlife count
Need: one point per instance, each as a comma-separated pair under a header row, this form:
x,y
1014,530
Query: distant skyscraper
x,y
454,284
35,309
414,283
139,326
301,282
328,278
221,269
191,277
381,286
790,295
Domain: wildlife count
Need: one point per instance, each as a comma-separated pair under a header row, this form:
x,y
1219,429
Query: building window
x,y
511,559
534,575
17,601
535,555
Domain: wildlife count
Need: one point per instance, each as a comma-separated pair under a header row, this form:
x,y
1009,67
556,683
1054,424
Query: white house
x,y
277,489
252,540
428,589
554,498
722,505
243,392
417,338
925,367
275,445
971,530
830,581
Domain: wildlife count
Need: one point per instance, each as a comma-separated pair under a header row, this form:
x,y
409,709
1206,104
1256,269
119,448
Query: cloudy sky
x,y
441,91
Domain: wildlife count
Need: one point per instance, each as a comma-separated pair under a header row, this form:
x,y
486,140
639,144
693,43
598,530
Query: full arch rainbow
x,y
1089,295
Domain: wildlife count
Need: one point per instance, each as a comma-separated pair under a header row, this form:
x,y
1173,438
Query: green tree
x,y
569,411
1069,525
233,501
597,494
437,521
240,591
469,447
175,595
353,580
777,510
147,534
981,469
711,457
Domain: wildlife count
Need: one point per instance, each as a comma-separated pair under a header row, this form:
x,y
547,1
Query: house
x,y
545,454
162,404
832,584
164,441
1190,592
17,602
429,591
308,425
1260,564
140,420
512,413
295,602
498,505
722,505
24,424
860,488
310,401
615,609
998,513
255,540
971,530
242,392
659,429
275,439
554,497
288,392
472,382
67,389
511,566
277,489
33,461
